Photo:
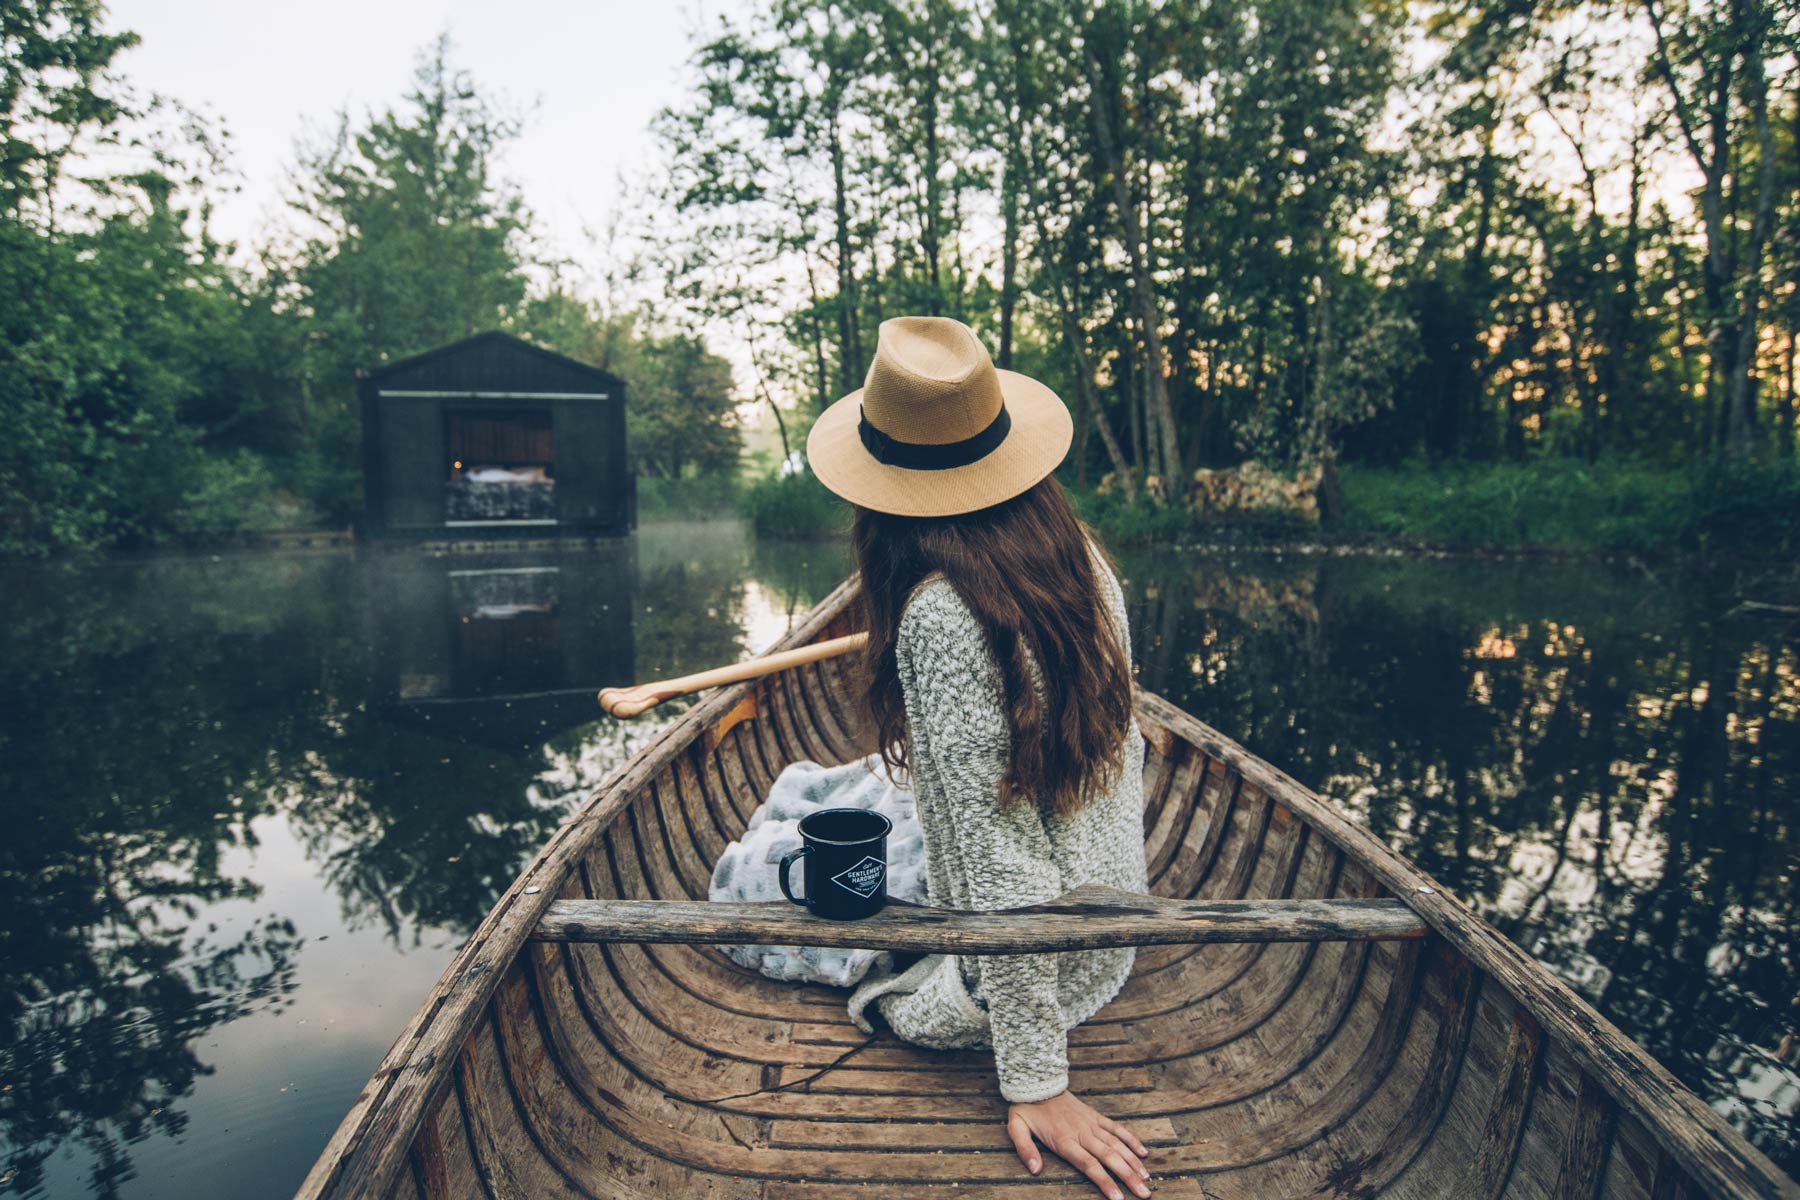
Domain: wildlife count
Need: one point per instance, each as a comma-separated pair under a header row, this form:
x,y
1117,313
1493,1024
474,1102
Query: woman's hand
x,y
1091,1143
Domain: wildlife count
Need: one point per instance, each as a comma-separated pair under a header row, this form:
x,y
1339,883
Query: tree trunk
x,y
1161,416
1466,402
1085,393
818,341
1090,401
933,230
1790,404
850,361
1740,397
1009,195
1731,337
762,385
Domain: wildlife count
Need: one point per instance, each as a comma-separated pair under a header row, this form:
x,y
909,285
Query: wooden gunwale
x,y
394,1136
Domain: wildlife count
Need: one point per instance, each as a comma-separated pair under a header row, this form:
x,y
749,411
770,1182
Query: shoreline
x,y
1316,544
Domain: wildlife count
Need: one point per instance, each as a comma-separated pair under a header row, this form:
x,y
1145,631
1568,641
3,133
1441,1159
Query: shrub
x,y
795,506
224,494
694,498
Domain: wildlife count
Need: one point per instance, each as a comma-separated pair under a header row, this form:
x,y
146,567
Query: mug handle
x,y
786,887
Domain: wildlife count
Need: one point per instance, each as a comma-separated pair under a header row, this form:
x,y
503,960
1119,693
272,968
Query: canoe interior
x,y
1336,1069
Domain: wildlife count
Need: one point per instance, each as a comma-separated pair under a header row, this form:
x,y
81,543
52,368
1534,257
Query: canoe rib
x,y
1091,917
1450,1065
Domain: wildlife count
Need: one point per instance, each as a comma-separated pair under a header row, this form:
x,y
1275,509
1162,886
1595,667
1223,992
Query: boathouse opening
x,y
493,436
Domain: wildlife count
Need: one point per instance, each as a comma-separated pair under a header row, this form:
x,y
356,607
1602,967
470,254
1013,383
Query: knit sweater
x,y
980,856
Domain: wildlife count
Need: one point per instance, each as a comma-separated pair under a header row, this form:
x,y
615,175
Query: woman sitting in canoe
x,y
1000,683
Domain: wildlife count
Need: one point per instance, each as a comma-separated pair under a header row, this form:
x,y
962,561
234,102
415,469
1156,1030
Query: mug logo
x,y
863,878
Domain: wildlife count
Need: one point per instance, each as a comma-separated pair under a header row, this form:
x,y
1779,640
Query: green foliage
x,y
1244,227
116,333
53,63
1179,216
230,493
1629,506
153,391
415,240
796,505
680,415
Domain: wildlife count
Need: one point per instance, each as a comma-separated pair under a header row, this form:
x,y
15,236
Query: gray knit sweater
x,y
981,857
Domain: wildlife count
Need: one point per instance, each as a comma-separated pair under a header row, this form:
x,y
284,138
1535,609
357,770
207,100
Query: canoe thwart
x,y
1091,917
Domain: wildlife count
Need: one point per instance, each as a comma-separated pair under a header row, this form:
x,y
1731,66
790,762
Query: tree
x,y
117,310
681,415
411,238
1711,56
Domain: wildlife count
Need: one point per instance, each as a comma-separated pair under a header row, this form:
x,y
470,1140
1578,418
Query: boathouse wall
x,y
492,436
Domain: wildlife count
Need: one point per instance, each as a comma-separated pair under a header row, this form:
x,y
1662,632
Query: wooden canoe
x,y
1449,1064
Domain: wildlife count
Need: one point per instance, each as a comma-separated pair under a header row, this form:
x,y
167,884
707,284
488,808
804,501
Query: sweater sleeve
x,y
955,712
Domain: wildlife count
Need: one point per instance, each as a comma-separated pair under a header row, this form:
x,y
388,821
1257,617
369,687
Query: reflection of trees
x,y
799,574
690,587
155,710
412,831
1616,796
107,973
690,594
1607,774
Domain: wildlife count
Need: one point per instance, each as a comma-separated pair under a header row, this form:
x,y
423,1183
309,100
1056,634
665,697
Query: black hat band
x,y
932,456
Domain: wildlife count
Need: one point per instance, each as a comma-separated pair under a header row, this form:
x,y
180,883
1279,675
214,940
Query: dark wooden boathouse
x,y
492,436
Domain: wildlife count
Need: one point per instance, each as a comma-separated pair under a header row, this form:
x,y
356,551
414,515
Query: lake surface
x,y
253,802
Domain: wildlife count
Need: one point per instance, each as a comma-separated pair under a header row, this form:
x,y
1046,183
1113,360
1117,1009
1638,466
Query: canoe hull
x,y
1450,1066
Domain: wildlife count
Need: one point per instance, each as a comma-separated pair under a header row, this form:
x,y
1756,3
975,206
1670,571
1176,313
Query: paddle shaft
x,y
625,703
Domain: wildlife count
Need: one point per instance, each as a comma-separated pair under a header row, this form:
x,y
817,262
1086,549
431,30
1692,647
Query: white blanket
x,y
747,869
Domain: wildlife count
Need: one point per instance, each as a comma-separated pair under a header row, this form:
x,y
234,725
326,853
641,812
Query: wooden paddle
x,y
625,703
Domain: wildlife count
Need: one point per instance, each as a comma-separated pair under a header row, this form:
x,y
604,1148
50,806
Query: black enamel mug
x,y
846,863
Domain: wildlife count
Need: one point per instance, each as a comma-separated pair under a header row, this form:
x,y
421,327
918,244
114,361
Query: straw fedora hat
x,y
937,429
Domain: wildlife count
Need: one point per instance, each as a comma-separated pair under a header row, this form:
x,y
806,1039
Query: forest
x,y
1546,253
161,386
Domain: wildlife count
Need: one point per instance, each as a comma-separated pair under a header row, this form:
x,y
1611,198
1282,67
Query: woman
x,y
999,682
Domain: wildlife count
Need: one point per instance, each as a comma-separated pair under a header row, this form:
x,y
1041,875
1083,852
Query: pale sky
x,y
593,73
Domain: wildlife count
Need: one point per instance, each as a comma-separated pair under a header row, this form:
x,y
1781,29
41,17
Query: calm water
x,y
252,803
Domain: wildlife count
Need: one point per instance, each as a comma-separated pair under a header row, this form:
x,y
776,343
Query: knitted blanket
x,y
747,868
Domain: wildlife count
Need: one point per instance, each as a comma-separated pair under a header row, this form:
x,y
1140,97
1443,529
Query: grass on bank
x,y
1626,507
1635,507
794,506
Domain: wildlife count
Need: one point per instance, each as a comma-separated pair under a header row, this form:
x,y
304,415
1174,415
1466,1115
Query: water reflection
x,y
256,801
1607,767
505,648
187,739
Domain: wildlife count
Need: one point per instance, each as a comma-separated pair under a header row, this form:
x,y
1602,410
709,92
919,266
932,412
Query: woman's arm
x,y
955,710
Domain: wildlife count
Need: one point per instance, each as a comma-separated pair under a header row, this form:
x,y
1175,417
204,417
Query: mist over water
x,y
254,802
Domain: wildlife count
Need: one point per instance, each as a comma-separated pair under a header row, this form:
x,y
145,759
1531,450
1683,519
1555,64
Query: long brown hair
x,y
1024,567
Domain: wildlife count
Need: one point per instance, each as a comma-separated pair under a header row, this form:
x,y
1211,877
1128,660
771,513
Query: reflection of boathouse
x,y
492,436
503,647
